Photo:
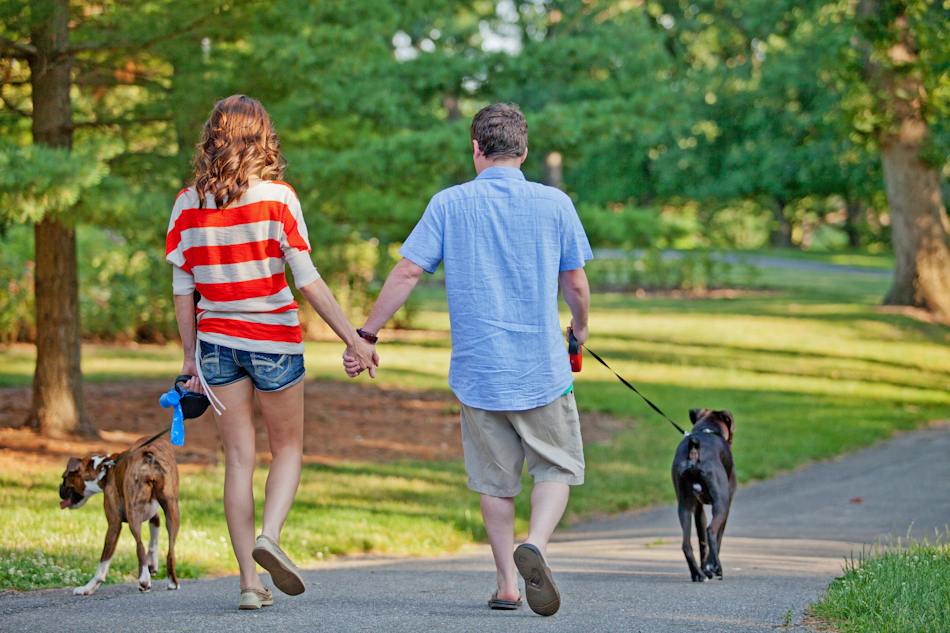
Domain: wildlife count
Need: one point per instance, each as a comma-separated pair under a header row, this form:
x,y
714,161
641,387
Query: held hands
x,y
359,358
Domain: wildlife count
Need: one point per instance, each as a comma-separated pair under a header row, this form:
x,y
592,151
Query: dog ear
x,y
73,465
726,417
695,414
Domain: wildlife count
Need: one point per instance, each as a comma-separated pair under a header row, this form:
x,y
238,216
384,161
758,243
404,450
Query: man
x,y
506,244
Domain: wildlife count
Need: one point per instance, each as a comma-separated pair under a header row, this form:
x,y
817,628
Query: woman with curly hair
x,y
230,235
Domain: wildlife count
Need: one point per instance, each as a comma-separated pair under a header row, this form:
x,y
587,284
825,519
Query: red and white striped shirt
x,y
235,258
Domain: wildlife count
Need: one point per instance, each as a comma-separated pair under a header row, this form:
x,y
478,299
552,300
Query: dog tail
x,y
693,449
151,463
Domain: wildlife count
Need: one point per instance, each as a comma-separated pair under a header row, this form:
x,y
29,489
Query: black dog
x,y
703,473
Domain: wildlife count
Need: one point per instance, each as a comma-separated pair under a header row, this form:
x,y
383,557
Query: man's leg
x,y
548,501
499,516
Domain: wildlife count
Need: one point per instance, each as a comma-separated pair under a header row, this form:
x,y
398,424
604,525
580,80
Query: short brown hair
x,y
501,131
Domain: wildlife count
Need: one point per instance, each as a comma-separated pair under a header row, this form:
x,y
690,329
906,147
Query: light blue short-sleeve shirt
x,y
503,240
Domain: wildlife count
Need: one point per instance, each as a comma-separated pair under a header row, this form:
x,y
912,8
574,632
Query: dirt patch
x,y
342,421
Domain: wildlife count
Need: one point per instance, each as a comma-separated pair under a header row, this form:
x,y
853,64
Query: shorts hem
x,y
225,384
493,491
570,480
284,386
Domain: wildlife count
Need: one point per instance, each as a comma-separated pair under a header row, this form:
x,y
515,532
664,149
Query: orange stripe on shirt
x,y
254,331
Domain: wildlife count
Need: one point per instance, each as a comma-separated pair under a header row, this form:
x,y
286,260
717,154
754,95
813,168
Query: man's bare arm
x,y
576,293
399,284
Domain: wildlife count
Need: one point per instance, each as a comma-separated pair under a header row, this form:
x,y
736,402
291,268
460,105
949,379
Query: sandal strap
x,y
264,594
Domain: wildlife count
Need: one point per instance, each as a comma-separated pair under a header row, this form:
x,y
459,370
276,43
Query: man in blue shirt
x,y
506,243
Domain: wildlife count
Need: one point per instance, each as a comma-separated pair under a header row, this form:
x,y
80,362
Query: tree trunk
x,y
921,253
57,383
918,217
554,170
852,222
781,234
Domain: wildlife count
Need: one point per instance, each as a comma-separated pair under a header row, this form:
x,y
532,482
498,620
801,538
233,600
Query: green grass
x,y
405,509
809,371
894,590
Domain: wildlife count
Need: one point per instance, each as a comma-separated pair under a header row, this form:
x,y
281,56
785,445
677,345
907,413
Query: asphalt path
x,y
760,261
785,541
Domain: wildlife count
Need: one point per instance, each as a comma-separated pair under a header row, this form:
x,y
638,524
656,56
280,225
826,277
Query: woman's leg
x,y
283,415
236,426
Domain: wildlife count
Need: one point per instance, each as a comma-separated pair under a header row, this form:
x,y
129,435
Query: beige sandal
x,y
282,570
255,598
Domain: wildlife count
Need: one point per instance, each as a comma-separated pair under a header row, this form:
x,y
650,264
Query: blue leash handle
x,y
172,400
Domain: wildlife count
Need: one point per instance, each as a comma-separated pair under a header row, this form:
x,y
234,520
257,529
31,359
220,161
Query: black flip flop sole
x,y
504,605
540,590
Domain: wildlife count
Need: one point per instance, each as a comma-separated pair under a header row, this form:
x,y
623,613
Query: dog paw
x,y
83,591
145,588
153,571
699,578
172,586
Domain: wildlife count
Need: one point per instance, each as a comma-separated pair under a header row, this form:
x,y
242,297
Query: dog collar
x,y
710,432
104,468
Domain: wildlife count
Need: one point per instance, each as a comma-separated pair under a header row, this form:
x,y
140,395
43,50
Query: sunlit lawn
x,y
809,372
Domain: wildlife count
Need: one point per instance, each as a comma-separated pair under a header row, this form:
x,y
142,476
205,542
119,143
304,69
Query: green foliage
x,y
16,297
891,590
666,270
35,180
716,116
630,227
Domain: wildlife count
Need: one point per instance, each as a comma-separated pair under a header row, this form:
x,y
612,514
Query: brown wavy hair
x,y
238,141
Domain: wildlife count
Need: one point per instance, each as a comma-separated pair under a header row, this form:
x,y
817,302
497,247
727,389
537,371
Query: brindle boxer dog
x,y
134,488
703,473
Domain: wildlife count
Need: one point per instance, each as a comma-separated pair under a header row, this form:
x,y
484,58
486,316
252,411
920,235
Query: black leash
x,y
131,450
634,389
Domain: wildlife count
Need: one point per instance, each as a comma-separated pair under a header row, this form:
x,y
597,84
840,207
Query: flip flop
x,y
282,570
540,590
505,605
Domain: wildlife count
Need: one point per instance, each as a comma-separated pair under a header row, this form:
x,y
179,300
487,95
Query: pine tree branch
x,y
12,108
20,50
142,45
106,123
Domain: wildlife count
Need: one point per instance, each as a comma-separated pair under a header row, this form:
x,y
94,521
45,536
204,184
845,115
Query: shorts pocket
x,y
270,367
210,360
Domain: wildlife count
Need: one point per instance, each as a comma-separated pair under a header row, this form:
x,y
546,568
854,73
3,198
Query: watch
x,y
370,338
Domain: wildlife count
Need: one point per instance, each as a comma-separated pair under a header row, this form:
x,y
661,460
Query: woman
x,y
230,235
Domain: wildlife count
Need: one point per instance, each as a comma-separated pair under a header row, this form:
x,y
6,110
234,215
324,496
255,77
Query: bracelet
x,y
370,338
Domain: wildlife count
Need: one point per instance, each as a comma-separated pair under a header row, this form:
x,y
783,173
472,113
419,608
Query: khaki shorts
x,y
497,444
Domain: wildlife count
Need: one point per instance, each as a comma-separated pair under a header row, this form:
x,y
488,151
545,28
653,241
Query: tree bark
x,y
554,170
921,253
852,222
57,408
918,216
781,234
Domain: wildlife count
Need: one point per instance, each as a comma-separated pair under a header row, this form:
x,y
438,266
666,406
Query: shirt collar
x,y
501,172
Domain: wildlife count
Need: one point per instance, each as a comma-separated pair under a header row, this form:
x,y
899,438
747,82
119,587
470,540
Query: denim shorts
x,y
222,366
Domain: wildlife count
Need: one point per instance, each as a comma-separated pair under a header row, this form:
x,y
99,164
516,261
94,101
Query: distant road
x,y
762,261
